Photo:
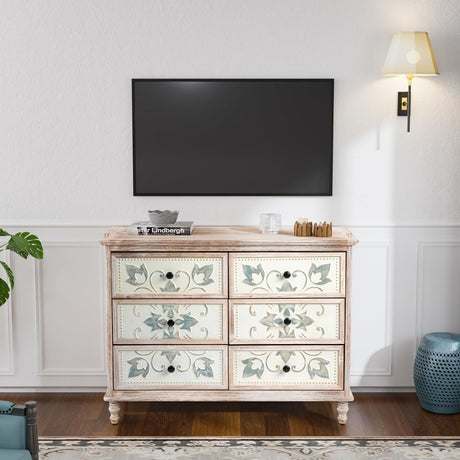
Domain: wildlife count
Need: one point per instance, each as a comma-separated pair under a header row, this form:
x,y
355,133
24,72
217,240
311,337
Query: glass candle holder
x,y
270,223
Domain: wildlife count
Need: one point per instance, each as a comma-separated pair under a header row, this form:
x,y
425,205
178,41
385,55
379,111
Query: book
x,y
147,228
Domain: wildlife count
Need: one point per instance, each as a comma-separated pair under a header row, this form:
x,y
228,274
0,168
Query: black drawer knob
x,y
171,369
170,275
170,322
287,321
287,274
286,368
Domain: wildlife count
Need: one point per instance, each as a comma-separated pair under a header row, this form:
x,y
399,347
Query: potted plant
x,y
23,244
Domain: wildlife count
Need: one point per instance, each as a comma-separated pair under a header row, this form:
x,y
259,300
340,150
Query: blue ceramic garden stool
x,y
437,372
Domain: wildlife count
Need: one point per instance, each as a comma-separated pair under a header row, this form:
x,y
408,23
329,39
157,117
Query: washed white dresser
x,y
228,314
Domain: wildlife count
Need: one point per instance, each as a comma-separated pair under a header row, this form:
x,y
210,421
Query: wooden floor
x,y
372,414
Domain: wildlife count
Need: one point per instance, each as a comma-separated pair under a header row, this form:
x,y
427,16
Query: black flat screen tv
x,y
233,137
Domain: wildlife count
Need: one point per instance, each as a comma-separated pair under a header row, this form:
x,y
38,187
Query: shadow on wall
x,y
378,364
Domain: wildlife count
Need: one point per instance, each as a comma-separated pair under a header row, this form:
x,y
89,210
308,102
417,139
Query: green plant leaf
x,y
25,244
9,272
4,292
3,232
18,244
35,247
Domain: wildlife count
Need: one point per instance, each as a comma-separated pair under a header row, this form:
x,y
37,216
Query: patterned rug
x,y
249,449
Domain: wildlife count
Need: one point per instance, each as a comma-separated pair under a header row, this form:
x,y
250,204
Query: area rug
x,y
249,449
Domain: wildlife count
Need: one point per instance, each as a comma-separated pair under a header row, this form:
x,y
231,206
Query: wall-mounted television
x,y
232,136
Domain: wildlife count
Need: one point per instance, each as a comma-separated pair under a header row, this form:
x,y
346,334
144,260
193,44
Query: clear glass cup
x,y
270,223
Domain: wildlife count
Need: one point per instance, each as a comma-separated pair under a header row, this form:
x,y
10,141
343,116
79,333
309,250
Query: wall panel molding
x,y
39,302
421,252
385,370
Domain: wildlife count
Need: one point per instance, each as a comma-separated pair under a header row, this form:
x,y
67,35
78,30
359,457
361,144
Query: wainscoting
x,y
52,331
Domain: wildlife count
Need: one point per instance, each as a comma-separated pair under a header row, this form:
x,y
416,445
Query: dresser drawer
x,y
169,275
169,367
169,321
285,367
285,321
287,274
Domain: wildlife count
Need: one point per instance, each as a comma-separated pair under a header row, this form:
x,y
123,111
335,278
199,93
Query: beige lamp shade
x,y
410,53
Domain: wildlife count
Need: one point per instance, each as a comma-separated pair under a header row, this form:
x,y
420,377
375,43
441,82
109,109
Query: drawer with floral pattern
x,y
287,274
170,367
286,367
169,321
287,321
169,275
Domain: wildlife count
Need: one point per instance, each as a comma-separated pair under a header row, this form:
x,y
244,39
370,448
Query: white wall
x,y
66,172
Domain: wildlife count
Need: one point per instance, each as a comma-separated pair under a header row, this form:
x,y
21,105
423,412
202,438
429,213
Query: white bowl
x,y
166,217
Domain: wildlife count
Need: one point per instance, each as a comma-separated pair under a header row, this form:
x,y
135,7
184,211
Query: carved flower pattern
x,y
319,369
169,287
182,321
170,355
253,366
204,274
255,276
249,273
276,321
285,355
202,366
318,275
286,287
135,370
136,275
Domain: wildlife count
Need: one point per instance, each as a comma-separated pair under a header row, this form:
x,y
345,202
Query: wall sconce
x,y
410,54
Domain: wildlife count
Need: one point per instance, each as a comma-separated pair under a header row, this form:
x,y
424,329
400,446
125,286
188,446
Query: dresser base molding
x,y
116,397
228,396
228,315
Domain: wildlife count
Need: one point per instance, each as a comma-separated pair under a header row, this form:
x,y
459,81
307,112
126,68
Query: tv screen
x,y
233,137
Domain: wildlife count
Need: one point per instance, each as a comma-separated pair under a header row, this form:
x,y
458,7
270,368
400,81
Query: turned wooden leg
x,y
342,412
114,409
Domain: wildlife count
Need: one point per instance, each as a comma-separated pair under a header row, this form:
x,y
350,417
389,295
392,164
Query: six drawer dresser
x,y
228,314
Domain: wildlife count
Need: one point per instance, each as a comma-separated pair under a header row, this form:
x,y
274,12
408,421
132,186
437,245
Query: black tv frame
x,y
329,80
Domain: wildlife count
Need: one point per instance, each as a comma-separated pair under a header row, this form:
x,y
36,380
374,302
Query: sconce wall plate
x,y
402,103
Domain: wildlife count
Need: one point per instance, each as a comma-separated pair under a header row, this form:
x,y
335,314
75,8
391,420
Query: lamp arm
x,y
409,84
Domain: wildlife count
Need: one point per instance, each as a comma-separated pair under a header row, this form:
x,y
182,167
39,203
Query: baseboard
x,y
383,389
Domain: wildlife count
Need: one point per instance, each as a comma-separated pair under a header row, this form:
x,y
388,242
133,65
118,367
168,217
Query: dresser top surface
x,y
206,238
